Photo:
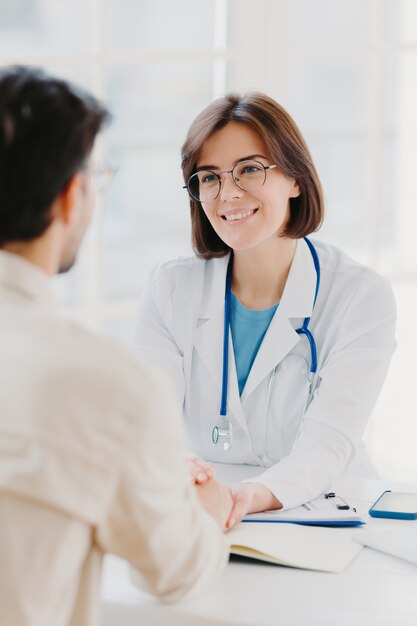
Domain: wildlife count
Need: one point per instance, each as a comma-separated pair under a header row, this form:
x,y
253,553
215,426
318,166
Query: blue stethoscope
x,y
223,433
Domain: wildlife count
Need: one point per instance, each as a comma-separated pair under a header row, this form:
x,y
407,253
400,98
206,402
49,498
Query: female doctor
x,y
277,345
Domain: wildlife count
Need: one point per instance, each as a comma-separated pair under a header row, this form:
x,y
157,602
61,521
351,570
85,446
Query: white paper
x,y
308,547
400,542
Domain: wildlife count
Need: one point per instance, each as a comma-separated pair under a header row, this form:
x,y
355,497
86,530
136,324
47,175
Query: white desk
x,y
375,590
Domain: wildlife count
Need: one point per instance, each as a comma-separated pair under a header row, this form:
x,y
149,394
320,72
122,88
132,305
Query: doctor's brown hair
x,y
286,148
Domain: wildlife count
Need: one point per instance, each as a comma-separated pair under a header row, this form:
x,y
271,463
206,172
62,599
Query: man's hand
x,y
251,498
200,471
216,500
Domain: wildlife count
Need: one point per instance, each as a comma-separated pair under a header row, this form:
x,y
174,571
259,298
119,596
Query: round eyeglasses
x,y
102,174
249,175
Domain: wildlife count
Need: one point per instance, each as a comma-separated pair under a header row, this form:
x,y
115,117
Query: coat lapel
x,y
281,337
208,340
296,303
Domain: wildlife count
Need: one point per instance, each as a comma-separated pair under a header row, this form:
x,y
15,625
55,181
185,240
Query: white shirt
x,y
180,329
91,461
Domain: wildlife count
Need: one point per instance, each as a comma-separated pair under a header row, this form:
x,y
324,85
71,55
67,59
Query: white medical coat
x,y
180,329
91,461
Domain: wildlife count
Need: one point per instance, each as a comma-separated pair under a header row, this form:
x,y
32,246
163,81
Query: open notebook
x,y
307,547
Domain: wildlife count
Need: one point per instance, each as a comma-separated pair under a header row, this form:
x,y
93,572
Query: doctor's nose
x,y
228,188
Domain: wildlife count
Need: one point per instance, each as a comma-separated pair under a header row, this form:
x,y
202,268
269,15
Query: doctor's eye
x,y
207,178
249,169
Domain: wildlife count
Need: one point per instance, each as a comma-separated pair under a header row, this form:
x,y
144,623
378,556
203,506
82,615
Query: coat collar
x,y
297,299
296,302
26,280
300,288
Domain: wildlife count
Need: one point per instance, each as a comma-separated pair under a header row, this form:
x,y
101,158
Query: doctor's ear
x,y
295,189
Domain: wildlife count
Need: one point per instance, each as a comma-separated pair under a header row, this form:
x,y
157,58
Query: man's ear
x,y
68,200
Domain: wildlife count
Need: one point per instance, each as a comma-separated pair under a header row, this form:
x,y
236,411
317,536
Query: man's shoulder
x,y
99,352
72,351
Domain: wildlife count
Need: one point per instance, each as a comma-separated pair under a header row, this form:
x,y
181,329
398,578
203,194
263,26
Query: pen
x,y
341,505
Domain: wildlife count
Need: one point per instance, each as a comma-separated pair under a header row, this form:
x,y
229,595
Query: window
x,y
344,70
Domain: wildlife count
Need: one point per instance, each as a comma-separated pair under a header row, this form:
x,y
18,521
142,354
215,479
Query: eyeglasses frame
x,y
218,176
107,168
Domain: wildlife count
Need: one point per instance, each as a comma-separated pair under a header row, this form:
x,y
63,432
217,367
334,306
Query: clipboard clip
x,y
339,503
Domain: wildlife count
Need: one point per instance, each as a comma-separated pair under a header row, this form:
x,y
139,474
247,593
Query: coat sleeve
x,y
350,380
153,340
153,518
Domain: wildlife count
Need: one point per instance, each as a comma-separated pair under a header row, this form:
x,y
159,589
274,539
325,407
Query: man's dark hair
x,y
47,131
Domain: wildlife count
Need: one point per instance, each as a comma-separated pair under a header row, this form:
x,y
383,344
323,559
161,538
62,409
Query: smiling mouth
x,y
233,217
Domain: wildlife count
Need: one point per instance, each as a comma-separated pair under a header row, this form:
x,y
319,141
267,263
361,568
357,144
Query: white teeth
x,y
238,216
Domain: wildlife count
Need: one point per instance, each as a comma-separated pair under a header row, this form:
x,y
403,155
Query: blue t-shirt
x,y
248,328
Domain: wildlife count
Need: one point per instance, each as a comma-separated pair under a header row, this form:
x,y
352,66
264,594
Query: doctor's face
x,y
244,219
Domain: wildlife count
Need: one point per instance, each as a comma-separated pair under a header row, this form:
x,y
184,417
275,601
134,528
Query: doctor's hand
x,y
251,498
199,471
216,499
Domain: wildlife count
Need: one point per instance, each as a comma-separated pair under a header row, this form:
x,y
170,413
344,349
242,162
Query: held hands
x,y
251,498
198,470
215,498
227,507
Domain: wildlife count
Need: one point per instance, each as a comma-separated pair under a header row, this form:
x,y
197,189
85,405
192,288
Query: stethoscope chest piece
x,y
222,435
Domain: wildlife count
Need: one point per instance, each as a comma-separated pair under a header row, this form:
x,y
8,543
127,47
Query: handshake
x,y
227,506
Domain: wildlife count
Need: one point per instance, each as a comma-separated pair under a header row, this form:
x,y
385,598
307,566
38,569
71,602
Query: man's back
x,y
89,463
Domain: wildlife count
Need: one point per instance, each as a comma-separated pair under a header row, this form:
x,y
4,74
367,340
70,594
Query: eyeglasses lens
x,y
103,176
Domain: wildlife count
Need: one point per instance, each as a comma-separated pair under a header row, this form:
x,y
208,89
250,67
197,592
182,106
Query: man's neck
x,y
39,252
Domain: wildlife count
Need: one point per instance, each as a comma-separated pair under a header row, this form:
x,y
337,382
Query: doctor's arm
x,y
155,343
153,340
351,378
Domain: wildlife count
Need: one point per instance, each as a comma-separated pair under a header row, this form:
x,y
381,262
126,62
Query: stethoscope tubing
x,y
303,330
225,373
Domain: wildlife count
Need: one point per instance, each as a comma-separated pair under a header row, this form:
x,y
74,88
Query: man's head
x,y
47,133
